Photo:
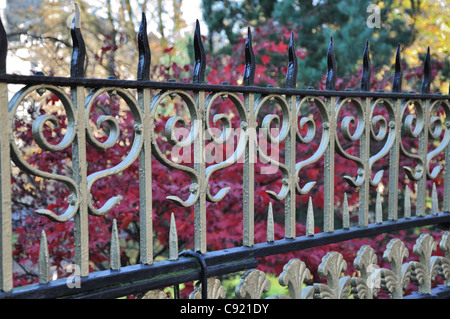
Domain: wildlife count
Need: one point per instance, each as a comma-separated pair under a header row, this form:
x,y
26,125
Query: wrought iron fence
x,y
430,123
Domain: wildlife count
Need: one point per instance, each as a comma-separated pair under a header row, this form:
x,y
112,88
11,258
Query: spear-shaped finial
x,y
331,72
249,73
44,260
115,247
3,48
173,239
366,73
270,225
145,56
310,219
398,74
426,83
291,76
200,56
79,48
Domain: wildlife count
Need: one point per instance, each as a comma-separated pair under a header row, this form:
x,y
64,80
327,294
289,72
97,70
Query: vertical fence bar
x,y
423,138
145,156
422,152
330,151
364,195
199,144
81,227
200,168
394,157
145,182
329,168
5,195
6,280
290,201
249,156
249,173
291,142
446,207
394,160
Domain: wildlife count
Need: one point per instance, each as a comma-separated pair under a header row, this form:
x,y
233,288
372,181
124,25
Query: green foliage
x,y
315,22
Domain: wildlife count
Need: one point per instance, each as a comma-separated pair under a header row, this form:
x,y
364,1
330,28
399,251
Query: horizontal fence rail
x,y
430,122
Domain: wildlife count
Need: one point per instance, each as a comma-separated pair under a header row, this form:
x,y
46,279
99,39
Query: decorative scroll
x,y
396,279
111,141
252,285
345,127
294,275
309,123
425,270
367,285
337,287
17,157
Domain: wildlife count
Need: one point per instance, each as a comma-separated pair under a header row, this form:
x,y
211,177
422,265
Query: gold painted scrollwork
x,y
196,129
356,136
37,130
284,128
310,134
437,125
252,285
413,126
224,137
111,141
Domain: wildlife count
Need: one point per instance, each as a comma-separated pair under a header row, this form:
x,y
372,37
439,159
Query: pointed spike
x,y
378,209
44,260
426,82
270,225
434,201
3,48
310,219
345,213
367,72
115,248
173,239
398,75
79,48
145,56
249,73
200,56
291,76
407,203
332,66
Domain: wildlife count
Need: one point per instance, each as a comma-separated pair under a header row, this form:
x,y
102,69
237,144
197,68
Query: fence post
x,y
6,282
364,195
394,157
423,138
81,227
145,156
249,156
5,195
394,160
199,144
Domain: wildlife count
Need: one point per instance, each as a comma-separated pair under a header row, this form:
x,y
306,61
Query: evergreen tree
x,y
315,22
